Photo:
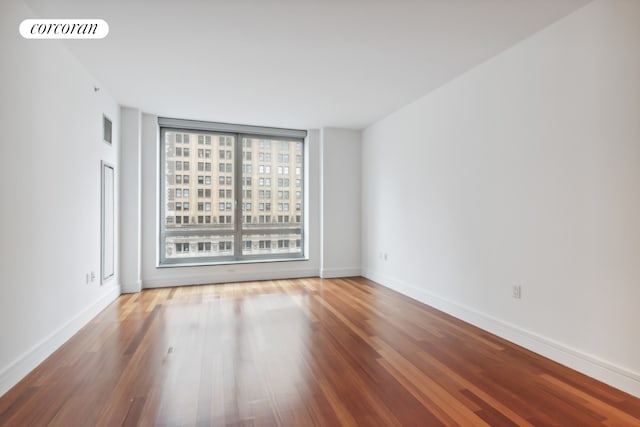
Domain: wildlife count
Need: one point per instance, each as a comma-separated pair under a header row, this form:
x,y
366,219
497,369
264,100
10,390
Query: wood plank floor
x,y
300,353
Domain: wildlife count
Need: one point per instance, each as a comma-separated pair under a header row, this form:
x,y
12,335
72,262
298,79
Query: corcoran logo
x,y
64,28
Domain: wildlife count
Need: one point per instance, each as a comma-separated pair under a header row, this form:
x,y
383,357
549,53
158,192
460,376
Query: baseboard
x,y
609,373
131,288
227,278
17,370
330,273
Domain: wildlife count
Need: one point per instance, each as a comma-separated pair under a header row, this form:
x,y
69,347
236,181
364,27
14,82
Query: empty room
x,y
320,213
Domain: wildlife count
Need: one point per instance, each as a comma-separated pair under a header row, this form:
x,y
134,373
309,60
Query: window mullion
x,y
237,176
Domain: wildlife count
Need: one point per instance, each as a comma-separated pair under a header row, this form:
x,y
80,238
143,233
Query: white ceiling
x,y
299,64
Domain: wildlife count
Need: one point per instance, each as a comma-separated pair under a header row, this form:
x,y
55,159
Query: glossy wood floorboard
x,y
304,352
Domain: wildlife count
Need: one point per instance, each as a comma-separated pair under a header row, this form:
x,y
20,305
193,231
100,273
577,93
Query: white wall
x,y
340,212
130,219
51,121
524,171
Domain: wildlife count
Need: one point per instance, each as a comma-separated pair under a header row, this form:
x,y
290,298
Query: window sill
x,y
232,262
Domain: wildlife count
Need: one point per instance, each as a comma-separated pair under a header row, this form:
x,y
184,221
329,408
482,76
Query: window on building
x,y
283,244
264,244
232,195
204,246
182,247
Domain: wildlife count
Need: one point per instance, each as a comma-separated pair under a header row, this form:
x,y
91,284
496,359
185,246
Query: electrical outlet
x,y
517,292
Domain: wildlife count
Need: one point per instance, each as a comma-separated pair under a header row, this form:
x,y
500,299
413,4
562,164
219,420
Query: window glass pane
x,y
266,162
195,214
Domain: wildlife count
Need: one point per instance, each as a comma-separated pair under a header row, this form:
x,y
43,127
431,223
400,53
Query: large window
x,y
248,207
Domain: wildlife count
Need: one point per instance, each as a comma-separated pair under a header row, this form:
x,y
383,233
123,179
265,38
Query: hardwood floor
x,y
297,353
